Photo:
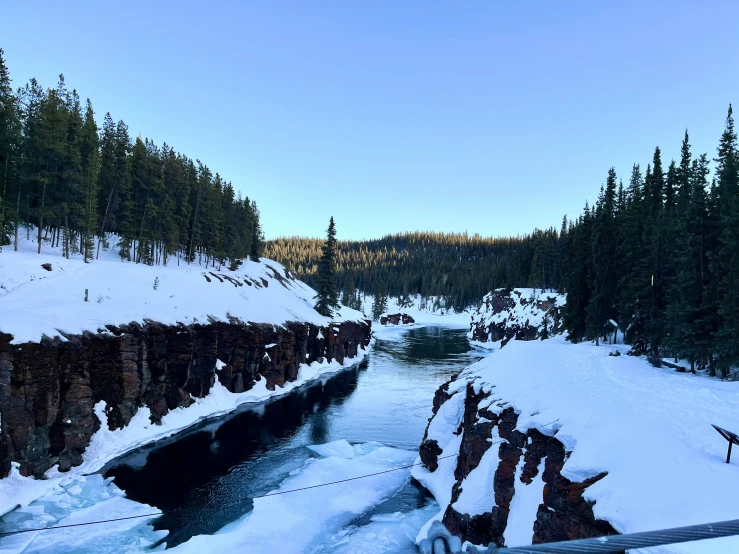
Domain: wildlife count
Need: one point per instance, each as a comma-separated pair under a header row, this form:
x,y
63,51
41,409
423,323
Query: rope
x,y
275,493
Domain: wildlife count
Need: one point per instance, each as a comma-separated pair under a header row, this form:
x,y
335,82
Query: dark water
x,y
203,478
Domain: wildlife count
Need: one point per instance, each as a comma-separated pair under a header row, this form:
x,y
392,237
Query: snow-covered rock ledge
x,y
546,440
515,314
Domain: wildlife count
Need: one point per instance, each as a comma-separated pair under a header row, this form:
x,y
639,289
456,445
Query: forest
x,y
77,185
459,268
656,259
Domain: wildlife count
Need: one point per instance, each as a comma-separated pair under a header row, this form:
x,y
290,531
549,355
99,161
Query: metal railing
x,y
440,541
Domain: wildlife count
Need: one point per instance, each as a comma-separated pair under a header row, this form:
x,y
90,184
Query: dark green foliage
x,y
379,304
727,260
458,268
327,297
76,184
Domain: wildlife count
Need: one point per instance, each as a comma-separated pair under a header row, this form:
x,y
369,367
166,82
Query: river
x,y
203,478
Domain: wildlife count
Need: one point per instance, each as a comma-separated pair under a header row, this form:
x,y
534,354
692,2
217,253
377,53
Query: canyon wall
x,y
48,389
563,513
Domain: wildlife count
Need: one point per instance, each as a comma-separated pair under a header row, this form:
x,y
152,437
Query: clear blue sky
x,y
490,117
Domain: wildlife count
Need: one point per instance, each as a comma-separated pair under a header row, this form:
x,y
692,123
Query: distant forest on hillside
x,y
457,267
78,185
656,259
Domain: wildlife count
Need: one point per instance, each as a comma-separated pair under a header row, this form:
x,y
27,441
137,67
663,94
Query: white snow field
x,y
290,523
35,302
648,428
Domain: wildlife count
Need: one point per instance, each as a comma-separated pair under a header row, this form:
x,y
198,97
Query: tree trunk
x,y
41,216
105,218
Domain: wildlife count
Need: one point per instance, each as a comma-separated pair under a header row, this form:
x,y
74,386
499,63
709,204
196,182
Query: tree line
x,y
79,185
455,267
658,259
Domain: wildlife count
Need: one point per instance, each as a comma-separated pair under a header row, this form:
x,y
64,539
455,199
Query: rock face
x,y
518,314
48,389
397,319
563,513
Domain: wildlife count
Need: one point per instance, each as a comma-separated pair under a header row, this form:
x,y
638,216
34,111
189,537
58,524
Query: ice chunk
x,y
340,448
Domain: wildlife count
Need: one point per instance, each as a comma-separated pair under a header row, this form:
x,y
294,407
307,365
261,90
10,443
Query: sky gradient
x,y
486,117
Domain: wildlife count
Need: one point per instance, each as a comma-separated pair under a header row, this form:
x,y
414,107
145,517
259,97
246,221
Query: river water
x,y
203,479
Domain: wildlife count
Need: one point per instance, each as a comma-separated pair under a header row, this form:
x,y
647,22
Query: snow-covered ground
x,y
648,428
286,520
36,302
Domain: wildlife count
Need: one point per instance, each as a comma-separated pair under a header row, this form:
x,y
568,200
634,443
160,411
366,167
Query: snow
x,y
648,428
294,518
78,499
423,316
524,507
301,521
478,495
36,302
525,310
385,534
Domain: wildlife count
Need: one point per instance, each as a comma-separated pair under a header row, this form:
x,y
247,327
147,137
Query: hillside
x,y
35,302
458,268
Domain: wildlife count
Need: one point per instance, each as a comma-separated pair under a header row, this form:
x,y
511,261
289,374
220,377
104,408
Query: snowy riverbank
x,y
648,429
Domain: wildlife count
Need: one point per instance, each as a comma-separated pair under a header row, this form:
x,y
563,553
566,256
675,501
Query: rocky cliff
x,y
518,314
562,514
48,388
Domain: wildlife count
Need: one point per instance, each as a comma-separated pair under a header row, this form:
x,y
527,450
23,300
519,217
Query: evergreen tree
x,y
327,299
727,193
379,304
602,305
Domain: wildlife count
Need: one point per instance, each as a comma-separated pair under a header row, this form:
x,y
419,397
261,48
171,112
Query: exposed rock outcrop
x,y
563,513
48,389
519,314
397,319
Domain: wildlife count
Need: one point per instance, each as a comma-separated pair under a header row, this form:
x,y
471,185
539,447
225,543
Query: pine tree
x,y
257,236
327,299
602,305
727,192
379,304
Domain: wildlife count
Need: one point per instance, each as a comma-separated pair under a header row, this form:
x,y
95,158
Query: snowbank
x,y
35,302
648,428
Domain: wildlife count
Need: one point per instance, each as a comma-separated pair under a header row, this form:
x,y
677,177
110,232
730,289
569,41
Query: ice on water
x,y
305,521
312,520
75,500
385,534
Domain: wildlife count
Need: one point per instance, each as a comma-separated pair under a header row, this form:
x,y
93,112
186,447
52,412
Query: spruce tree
x,y
327,298
727,191
602,305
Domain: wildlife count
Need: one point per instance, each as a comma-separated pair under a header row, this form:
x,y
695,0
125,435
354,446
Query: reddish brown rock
x,y
563,513
397,319
48,389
